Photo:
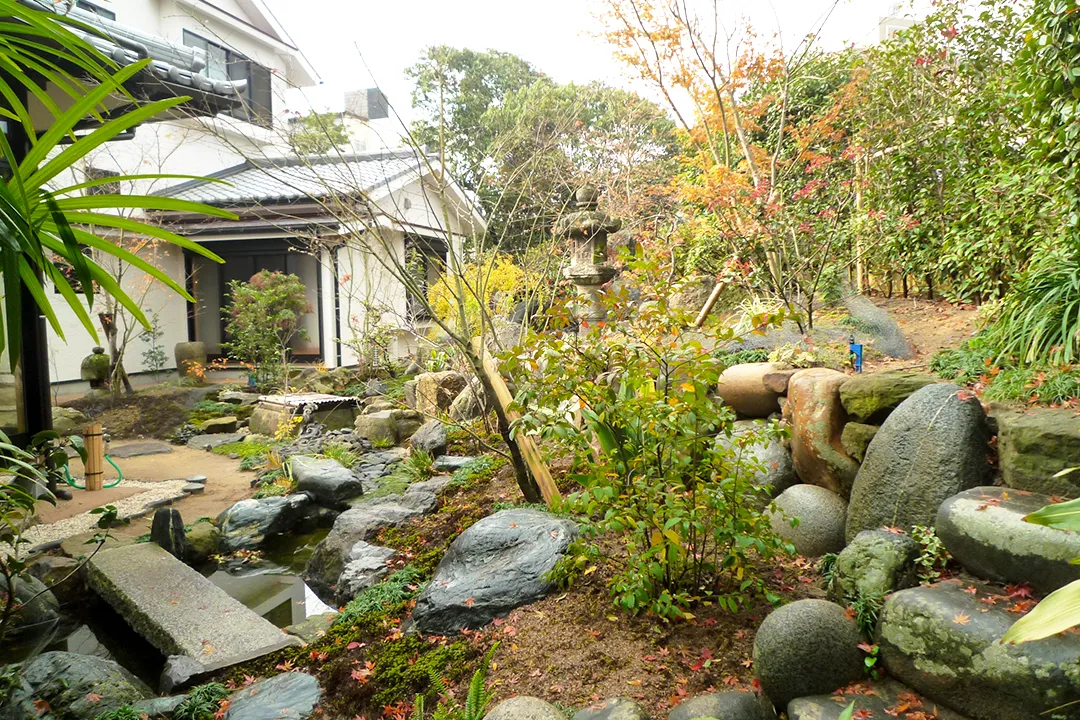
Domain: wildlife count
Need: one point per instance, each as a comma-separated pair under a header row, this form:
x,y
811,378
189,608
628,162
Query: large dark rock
x,y
1036,444
984,529
246,524
809,647
361,523
880,699
874,564
930,448
942,640
870,397
524,707
817,422
430,438
496,565
327,480
767,458
167,530
289,696
619,708
74,687
821,514
727,705
36,607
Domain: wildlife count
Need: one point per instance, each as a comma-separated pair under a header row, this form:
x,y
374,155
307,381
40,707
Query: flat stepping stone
x,y
179,611
878,699
139,449
200,479
984,529
194,488
214,441
943,641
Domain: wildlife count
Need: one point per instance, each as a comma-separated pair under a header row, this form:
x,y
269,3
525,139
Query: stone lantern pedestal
x,y
587,229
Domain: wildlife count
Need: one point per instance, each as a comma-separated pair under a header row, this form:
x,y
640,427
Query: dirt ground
x,y
930,325
225,485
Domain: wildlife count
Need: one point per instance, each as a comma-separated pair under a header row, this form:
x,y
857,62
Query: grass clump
x,y
341,453
124,712
202,703
244,449
973,364
419,466
394,590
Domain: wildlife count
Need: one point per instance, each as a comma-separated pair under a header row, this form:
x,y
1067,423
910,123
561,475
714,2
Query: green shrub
x,y
683,505
262,319
477,469
739,357
201,703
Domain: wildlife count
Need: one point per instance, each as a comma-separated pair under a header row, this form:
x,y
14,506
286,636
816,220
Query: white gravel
x,y
128,507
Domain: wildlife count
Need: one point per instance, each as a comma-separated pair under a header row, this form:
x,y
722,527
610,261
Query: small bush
x,y
420,465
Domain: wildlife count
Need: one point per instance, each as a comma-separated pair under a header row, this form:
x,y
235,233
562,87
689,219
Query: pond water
x,y
272,588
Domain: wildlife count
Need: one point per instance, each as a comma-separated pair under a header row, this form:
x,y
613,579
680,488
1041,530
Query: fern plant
x,y
202,703
476,701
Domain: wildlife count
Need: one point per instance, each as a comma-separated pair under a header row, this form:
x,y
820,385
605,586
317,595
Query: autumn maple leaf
x,y
93,697
42,706
961,618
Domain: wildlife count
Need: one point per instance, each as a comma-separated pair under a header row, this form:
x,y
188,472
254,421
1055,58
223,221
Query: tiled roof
x,y
177,64
283,180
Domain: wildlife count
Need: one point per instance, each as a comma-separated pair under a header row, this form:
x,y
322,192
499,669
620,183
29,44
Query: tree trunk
x,y
929,286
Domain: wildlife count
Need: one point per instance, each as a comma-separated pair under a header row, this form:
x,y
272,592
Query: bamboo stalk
x,y
530,452
94,442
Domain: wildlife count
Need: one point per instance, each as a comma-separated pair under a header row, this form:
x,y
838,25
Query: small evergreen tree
x,y
154,357
262,319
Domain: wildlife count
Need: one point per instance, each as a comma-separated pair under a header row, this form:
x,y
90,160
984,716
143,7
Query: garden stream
x,y
272,586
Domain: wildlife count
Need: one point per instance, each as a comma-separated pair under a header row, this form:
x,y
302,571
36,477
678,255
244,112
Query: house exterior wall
x,y
181,146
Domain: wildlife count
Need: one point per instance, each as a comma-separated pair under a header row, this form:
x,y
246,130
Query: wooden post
x,y
707,308
95,456
529,450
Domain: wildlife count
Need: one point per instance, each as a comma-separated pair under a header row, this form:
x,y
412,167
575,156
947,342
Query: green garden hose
x,y
71,481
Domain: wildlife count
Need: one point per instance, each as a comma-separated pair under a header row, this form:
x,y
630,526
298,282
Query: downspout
x,y
334,265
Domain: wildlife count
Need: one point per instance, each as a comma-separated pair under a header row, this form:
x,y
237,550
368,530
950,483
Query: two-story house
x,y
239,42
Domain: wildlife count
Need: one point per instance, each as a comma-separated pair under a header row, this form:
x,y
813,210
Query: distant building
x,y
893,23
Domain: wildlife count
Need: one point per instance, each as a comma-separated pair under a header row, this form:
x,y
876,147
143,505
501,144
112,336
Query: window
x,y
225,64
96,9
111,188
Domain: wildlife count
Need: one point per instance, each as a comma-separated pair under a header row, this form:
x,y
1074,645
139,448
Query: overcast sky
x,y
557,36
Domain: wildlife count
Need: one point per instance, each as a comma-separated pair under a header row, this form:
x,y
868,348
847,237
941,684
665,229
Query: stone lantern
x,y
588,228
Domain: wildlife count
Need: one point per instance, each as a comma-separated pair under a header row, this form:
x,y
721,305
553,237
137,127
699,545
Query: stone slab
x,y
130,450
179,611
210,442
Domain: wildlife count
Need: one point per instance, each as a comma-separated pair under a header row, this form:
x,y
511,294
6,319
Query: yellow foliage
x,y
496,281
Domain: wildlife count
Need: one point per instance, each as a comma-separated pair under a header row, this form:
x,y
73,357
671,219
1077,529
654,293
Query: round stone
x,y
727,705
810,647
524,707
821,517
619,708
742,388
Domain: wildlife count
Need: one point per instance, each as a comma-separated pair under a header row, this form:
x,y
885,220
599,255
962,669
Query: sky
x,y
364,43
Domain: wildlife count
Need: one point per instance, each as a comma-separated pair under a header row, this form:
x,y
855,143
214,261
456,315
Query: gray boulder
x,y
874,564
726,705
943,641
435,392
1036,444
159,707
523,707
30,616
984,529
821,514
67,420
311,629
246,524
167,531
496,565
450,463
378,427
809,647
68,683
619,708
217,426
930,448
430,438
364,522
470,402
327,480
769,460
289,696
366,565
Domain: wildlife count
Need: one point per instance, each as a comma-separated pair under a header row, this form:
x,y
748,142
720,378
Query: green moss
x,y
404,667
244,449
481,468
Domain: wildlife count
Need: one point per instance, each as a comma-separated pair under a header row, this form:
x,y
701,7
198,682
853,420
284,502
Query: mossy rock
x,y
870,397
874,564
1036,444
203,540
856,439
